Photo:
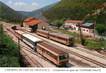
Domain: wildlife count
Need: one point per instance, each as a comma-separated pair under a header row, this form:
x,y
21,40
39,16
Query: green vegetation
x,y
58,23
101,29
79,9
73,9
95,44
9,15
9,52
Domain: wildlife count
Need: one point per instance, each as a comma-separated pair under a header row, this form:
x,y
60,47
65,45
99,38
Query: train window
x,y
50,54
62,57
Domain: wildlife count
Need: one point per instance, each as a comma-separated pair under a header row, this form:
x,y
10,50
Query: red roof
x,y
32,21
73,21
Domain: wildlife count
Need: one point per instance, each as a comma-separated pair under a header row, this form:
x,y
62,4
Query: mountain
x,y
74,9
8,14
37,13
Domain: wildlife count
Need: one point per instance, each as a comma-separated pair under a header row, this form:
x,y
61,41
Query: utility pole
x,y
94,29
81,34
2,35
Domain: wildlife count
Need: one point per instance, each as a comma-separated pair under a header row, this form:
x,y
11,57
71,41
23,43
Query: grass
x,y
8,61
95,44
9,55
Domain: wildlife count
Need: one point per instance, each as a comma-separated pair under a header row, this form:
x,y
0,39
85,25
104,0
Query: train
x,y
61,38
55,55
47,50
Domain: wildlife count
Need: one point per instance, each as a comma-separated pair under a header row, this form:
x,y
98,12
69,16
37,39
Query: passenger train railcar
x,y
61,38
55,55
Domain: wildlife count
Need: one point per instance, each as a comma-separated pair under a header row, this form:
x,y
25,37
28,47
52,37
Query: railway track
x,y
95,54
88,59
79,62
33,52
32,61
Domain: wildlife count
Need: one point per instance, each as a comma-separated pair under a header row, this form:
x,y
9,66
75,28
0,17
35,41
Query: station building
x,y
33,24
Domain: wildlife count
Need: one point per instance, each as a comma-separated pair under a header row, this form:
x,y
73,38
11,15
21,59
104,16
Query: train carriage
x,y
55,55
62,38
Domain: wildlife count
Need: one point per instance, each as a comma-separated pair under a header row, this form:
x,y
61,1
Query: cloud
x,y
22,5
34,4
27,5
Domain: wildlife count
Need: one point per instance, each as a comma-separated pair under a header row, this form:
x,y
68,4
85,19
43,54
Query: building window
x,y
83,29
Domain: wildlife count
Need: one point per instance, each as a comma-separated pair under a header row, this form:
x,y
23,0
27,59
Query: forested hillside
x,y
76,9
8,14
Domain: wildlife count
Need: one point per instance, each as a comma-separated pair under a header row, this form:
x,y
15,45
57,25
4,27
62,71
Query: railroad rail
x,y
33,61
79,62
89,59
95,54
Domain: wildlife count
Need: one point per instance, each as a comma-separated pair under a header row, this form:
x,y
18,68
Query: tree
x,y
101,29
58,23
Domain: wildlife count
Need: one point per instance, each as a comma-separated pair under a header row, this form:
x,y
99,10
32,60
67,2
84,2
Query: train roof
x,y
31,37
52,49
61,35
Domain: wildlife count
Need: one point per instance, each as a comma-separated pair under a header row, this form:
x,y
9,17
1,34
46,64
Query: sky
x,y
28,5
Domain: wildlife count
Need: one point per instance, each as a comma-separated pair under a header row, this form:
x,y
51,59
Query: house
x,y
86,28
34,24
72,24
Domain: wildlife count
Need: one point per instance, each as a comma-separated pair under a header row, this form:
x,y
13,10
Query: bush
x,y
8,61
93,44
101,29
9,55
